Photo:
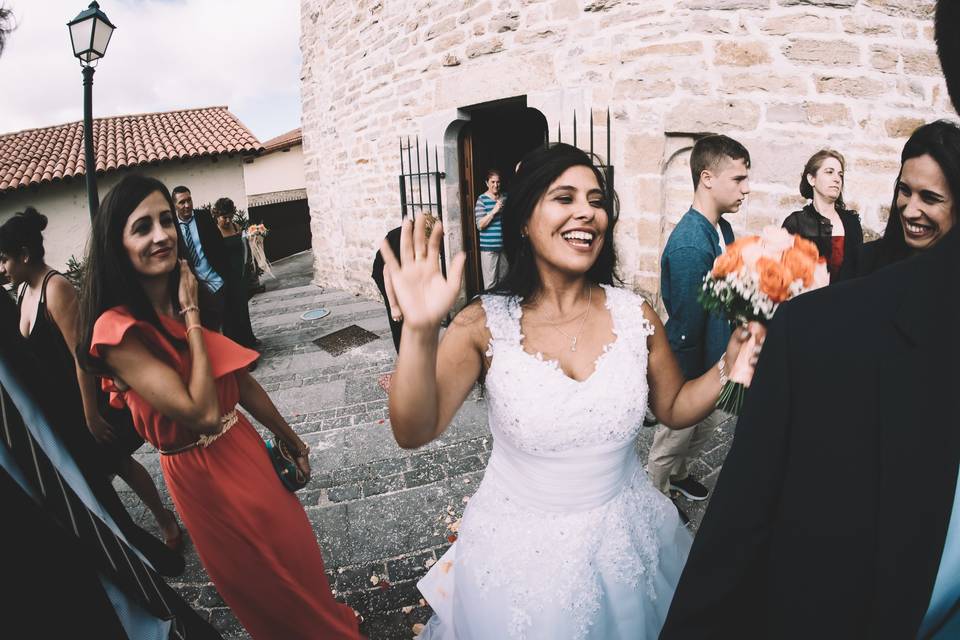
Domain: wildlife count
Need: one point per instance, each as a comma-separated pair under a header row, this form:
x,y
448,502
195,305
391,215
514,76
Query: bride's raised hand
x,y
424,295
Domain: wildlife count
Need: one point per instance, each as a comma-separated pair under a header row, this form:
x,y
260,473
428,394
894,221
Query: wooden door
x,y
468,199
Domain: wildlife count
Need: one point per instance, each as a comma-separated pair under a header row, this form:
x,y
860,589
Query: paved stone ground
x,y
381,513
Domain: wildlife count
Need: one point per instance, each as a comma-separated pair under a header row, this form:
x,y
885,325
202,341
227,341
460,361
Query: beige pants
x,y
673,448
493,266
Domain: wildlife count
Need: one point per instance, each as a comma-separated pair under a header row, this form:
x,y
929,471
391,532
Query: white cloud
x,y
164,55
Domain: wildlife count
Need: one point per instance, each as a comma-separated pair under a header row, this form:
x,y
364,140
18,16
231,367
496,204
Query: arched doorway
x,y
497,136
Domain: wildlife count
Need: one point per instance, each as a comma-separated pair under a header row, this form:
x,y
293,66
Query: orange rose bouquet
x,y
748,282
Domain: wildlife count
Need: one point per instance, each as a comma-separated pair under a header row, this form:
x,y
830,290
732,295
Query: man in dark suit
x,y
205,249
836,514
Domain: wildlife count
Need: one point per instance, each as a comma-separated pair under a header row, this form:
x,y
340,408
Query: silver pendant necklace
x,y
575,337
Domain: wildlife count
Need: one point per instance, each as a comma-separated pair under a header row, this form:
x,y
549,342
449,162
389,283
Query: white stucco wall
x,y
65,203
276,171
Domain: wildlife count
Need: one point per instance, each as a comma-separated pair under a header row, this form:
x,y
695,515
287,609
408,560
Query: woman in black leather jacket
x,y
825,220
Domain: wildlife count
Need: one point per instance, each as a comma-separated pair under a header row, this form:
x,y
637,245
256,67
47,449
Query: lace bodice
x,y
539,409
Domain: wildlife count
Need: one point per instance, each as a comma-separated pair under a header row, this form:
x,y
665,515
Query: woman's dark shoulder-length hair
x,y
109,279
538,170
941,141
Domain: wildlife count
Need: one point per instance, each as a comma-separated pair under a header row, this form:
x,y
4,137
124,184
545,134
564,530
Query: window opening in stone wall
x,y
497,136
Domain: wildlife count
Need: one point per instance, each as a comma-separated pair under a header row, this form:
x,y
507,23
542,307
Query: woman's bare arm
x,y
431,380
63,305
255,400
676,402
194,406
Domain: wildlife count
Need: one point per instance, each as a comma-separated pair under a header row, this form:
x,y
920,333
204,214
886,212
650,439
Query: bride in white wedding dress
x,y
565,537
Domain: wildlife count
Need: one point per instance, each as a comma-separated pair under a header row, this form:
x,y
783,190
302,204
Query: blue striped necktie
x,y
188,241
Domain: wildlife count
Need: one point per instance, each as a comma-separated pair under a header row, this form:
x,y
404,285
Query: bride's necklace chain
x,y
575,337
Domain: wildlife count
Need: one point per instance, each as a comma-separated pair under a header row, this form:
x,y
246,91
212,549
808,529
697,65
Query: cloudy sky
x,y
165,54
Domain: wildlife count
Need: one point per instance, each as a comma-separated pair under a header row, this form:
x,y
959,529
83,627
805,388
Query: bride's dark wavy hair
x,y
109,279
538,170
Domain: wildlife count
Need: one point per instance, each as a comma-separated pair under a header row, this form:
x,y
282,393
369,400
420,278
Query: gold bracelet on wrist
x,y
192,327
722,368
187,310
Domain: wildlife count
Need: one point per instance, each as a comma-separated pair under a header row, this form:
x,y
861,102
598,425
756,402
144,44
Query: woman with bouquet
x,y
825,221
236,312
182,384
566,536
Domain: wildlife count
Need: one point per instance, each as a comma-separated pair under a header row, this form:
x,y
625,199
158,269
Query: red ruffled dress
x,y
252,535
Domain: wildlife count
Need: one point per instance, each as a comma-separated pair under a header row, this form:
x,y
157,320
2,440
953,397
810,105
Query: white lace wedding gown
x,y
565,537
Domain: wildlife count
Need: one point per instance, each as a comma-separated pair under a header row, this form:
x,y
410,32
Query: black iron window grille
x,y
598,162
420,189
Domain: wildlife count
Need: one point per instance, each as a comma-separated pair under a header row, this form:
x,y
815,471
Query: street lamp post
x,y
90,34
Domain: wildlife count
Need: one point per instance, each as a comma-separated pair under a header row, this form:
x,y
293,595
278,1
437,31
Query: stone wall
x,y
785,77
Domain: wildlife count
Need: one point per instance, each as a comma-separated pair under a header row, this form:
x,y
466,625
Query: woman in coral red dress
x,y
182,384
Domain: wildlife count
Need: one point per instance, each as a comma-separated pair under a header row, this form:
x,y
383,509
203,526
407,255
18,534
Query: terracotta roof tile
x,y
284,141
38,156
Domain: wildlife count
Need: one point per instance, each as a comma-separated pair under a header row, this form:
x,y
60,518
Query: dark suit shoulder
x,y
847,315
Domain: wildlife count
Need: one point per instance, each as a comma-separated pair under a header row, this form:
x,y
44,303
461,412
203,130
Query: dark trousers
x,y
395,327
236,313
211,305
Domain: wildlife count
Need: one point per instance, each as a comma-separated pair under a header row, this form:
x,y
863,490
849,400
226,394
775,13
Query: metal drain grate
x,y
345,339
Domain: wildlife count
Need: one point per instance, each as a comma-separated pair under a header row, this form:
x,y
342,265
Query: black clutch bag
x,y
285,463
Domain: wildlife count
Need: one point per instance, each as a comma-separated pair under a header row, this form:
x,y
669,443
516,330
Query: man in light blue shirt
x,y
205,250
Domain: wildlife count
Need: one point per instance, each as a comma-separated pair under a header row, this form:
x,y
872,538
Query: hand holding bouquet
x,y
748,282
257,230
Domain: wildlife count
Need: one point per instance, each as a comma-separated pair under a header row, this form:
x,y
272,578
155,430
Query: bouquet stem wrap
x,y
735,389
259,256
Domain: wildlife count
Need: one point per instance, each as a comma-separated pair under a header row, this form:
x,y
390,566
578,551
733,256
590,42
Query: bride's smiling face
x,y
567,226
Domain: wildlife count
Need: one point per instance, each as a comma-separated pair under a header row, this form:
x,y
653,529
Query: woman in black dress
x,y
48,308
236,313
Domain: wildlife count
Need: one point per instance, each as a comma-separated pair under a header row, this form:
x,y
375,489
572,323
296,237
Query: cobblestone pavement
x,y
381,513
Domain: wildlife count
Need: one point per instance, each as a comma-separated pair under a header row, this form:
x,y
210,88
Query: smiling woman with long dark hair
x,y
924,206
182,384
566,536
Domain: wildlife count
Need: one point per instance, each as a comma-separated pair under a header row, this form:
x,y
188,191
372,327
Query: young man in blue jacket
x,y
720,167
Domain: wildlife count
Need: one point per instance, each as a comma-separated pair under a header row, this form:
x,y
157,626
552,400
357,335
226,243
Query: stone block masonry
x,y
787,77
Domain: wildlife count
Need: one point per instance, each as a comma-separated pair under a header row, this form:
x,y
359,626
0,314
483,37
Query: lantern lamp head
x,y
90,34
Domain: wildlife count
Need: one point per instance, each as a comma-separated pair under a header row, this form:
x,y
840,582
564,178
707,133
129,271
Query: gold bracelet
x,y
191,327
722,367
187,310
